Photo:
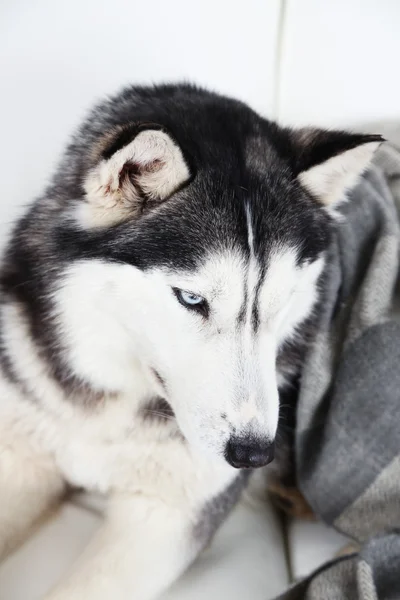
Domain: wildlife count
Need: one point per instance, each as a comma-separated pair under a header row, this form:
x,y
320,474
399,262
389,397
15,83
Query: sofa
x,y
297,61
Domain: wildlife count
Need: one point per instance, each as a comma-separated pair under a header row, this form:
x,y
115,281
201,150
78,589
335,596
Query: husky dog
x,y
155,300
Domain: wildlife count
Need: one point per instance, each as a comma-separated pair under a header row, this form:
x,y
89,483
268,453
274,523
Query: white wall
x,y
340,62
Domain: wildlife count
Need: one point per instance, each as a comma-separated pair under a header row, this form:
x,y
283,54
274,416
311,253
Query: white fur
x,y
141,549
30,483
289,293
330,180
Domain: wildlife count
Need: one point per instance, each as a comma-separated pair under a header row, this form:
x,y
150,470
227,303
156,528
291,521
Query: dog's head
x,y
194,253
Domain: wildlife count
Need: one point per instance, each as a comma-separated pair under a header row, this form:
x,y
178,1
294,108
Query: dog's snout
x,y
248,453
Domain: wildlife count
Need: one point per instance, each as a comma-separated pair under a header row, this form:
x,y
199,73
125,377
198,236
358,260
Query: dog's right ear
x,y
329,163
132,173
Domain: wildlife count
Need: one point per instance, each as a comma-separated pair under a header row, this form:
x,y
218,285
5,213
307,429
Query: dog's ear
x,y
136,170
329,163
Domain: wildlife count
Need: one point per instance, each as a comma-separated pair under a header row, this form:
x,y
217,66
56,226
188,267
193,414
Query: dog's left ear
x,y
136,170
329,163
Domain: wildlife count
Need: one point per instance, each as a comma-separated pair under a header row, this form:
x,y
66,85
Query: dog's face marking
x,y
175,259
230,387
217,372
253,279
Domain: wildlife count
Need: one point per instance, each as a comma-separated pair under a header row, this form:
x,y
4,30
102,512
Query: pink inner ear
x,y
133,170
129,170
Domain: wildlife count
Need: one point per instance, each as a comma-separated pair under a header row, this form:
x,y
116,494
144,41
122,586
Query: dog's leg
x,y
29,485
143,546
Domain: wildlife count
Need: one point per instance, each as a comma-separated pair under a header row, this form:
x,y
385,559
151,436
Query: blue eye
x,y
192,301
189,298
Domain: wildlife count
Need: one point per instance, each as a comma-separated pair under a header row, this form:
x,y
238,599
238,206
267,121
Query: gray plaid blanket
x,y
348,429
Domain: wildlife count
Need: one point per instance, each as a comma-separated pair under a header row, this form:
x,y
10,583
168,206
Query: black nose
x,y
249,453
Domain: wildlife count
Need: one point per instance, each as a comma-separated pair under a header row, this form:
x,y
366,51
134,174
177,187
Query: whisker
x,y
159,414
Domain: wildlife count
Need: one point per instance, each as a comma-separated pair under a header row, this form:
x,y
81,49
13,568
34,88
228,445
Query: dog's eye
x,y
191,301
190,298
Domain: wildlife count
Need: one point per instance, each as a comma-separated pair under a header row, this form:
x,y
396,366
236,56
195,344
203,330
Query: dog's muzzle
x,y
248,453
